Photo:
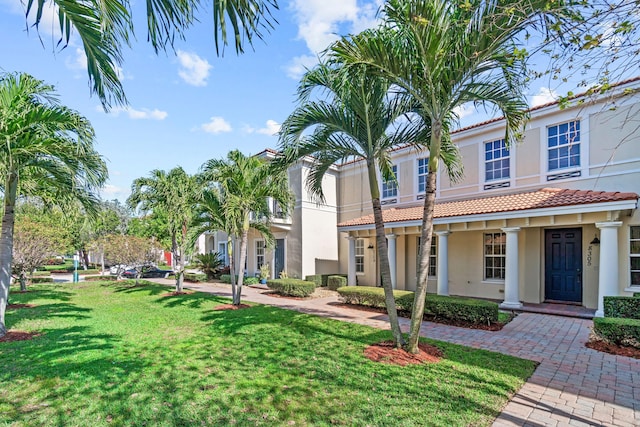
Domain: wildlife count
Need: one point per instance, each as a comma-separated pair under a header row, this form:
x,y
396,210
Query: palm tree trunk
x,y
383,257
243,256
417,311
6,245
232,265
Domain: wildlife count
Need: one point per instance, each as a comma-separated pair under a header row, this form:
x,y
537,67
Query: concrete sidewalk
x,y
572,386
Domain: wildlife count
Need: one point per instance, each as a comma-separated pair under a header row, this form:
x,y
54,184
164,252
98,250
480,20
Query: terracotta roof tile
x,y
544,198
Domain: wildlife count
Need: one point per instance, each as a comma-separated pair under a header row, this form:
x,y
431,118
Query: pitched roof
x,y
543,198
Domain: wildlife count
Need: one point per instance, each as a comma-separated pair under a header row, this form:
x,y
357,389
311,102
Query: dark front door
x,y
563,265
279,257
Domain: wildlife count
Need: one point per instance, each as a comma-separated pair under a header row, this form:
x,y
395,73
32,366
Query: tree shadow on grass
x,y
44,311
39,292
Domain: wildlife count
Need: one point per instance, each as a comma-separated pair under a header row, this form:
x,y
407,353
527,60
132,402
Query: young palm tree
x,y
360,119
105,26
443,55
173,193
245,185
47,151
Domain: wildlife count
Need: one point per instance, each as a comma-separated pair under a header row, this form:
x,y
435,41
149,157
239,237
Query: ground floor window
x,y
359,255
634,253
432,255
259,254
494,255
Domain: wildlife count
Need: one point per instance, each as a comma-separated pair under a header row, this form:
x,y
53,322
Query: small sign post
x,y
76,258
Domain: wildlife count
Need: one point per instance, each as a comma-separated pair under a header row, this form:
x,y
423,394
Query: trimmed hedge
x,y
195,277
315,278
466,309
251,280
41,280
374,297
618,331
626,307
39,273
292,287
100,278
335,282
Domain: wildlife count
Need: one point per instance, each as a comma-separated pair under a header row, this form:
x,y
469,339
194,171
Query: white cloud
x,y
271,128
111,190
464,110
77,61
216,125
142,114
299,65
544,96
193,69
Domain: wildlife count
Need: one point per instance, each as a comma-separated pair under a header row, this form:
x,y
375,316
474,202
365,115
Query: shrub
x,y
465,309
251,280
39,273
315,278
292,287
99,278
41,280
195,277
374,297
626,307
89,271
335,282
618,331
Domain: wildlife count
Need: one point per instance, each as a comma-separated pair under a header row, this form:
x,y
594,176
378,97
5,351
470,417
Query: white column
x,y
609,274
391,244
443,261
351,272
511,285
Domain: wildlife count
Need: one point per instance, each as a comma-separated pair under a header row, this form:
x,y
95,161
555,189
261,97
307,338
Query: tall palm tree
x,y
105,26
173,193
358,119
443,55
47,151
245,185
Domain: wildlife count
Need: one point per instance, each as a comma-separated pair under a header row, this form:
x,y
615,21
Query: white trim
x,y
397,183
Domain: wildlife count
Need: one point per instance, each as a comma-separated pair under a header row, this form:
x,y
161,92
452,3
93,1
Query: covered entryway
x,y
563,265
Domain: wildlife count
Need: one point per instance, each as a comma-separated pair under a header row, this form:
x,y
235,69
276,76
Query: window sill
x,y
492,282
635,289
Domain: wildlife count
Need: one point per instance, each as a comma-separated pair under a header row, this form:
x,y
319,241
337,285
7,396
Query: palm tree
x,y
47,151
105,26
245,185
174,194
360,119
444,55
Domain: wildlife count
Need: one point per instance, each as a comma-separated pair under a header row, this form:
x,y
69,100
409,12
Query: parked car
x,y
147,273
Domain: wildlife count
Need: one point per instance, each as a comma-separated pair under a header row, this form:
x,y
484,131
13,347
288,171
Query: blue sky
x,y
191,106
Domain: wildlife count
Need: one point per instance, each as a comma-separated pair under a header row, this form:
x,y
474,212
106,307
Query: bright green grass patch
x,y
119,355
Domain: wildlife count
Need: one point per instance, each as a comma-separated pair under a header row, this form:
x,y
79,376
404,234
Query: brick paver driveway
x,y
572,386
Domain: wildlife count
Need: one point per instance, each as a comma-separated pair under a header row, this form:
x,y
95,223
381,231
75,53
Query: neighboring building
x,y
553,218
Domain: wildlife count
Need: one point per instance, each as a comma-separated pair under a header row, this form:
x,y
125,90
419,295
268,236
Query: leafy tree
x,y
105,27
359,119
153,224
132,251
173,193
47,151
443,55
245,185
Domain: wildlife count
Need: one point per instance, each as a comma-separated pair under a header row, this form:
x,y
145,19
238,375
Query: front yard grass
x,y
112,354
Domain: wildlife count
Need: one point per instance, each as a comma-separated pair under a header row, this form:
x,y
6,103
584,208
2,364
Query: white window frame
x,y
568,145
633,255
359,256
494,159
393,185
494,256
433,256
424,174
260,246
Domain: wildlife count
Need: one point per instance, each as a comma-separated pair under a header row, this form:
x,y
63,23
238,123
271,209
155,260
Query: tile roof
x,y
544,198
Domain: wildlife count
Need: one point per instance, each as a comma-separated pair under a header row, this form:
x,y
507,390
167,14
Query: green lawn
x,y
114,355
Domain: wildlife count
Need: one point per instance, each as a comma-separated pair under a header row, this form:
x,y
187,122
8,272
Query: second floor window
x,y
390,187
359,255
496,160
563,143
423,170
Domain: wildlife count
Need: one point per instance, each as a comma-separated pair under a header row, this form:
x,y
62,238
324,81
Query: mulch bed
x,y
459,323
617,350
231,307
176,293
277,295
18,336
10,306
385,352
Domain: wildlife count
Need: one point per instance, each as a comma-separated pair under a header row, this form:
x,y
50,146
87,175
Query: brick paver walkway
x,y
572,386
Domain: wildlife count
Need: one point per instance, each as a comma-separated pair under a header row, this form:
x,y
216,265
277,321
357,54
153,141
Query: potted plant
x,y
265,272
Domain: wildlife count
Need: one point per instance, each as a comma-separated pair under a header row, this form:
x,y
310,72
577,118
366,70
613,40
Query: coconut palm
x,y
245,185
105,26
444,55
359,119
47,151
173,193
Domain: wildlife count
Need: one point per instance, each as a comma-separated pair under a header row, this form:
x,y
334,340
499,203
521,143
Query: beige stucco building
x,y
553,218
